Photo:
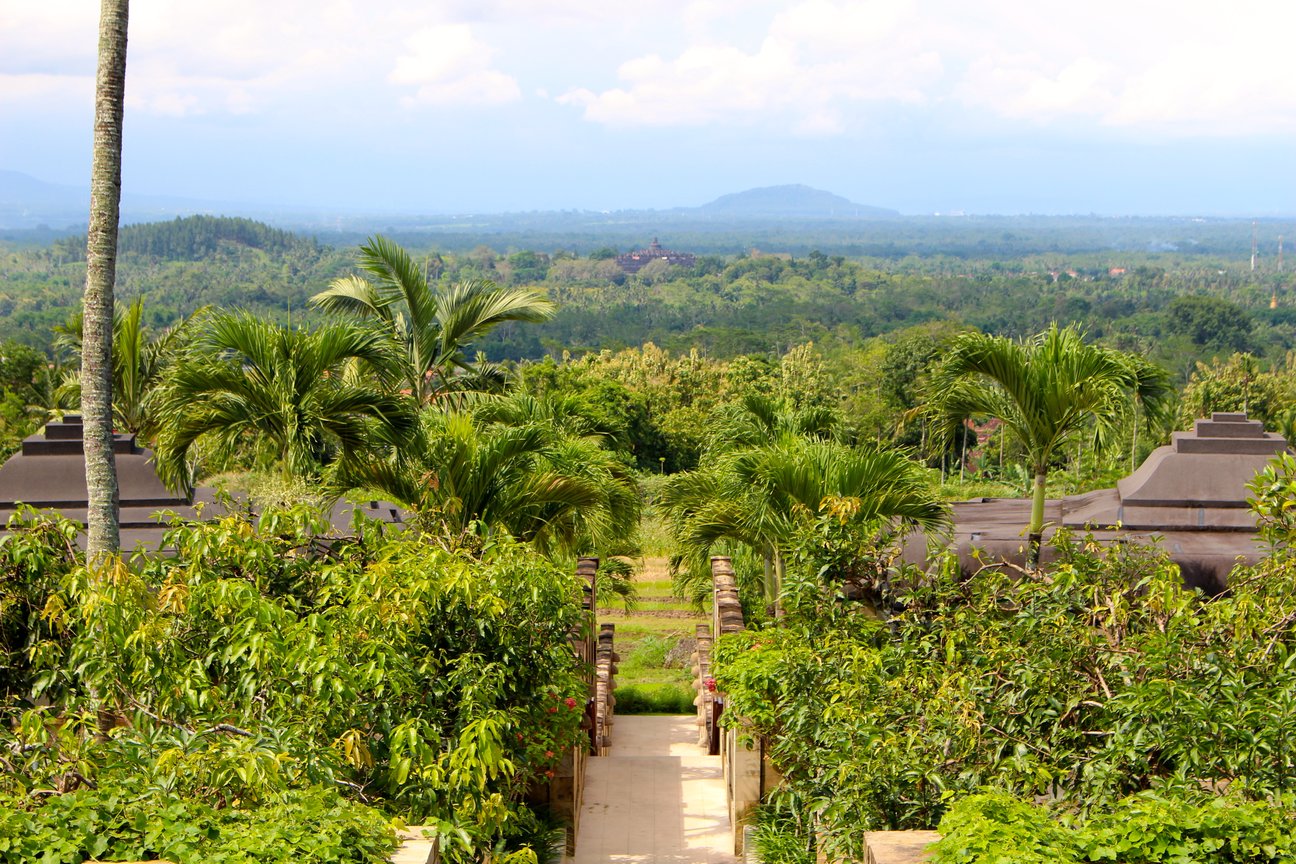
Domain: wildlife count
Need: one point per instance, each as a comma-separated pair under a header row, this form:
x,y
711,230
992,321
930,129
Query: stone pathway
x,y
657,799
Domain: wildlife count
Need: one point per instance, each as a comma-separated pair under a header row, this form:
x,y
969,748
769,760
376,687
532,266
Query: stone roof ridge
x,y
1228,433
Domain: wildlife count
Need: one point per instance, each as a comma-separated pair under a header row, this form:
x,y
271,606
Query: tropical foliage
x,y
257,663
767,473
433,327
463,473
1044,391
139,363
283,394
1148,827
1100,679
194,703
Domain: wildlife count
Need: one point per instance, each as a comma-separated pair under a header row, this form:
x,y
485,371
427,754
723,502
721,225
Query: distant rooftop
x,y
48,473
1189,497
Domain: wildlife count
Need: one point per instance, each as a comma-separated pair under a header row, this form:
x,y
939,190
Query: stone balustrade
x,y
605,669
703,684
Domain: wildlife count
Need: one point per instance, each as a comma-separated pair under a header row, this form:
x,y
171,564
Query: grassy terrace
x,y
655,642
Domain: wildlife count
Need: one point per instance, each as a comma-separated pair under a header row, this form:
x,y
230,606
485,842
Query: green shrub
x,y
1149,828
257,660
1089,682
664,698
778,838
111,824
648,653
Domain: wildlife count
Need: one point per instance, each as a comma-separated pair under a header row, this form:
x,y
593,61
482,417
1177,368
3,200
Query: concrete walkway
x,y
657,799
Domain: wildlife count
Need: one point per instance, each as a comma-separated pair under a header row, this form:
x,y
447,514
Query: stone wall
x,y
744,769
605,669
563,794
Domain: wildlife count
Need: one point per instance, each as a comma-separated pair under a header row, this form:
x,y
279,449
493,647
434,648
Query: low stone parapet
x,y
415,848
899,847
605,669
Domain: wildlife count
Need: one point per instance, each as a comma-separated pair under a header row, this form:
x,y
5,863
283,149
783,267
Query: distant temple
x,y
631,262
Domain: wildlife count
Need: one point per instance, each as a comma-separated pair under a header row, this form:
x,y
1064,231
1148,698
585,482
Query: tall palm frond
x,y
762,496
1044,391
458,473
247,384
759,419
434,328
140,360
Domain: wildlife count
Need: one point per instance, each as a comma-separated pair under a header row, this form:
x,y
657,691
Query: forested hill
x,y
177,266
191,238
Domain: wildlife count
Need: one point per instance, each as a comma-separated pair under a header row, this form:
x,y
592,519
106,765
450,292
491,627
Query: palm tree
x,y
763,496
462,474
249,384
433,327
102,535
139,363
759,419
1044,391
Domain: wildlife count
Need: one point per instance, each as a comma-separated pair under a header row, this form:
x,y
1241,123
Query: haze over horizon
x,y
503,105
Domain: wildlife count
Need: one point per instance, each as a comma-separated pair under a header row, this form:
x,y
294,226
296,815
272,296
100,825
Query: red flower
x,y
549,754
571,703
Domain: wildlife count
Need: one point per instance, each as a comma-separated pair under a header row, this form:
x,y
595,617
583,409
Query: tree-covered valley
x,y
1181,290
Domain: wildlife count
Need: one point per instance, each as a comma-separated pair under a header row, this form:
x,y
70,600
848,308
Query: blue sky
x,y
998,106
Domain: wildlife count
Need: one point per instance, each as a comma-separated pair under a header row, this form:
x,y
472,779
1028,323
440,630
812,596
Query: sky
x,y
458,106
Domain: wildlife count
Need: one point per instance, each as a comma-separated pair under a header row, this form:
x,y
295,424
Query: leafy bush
x,y
995,828
778,838
110,824
1101,678
660,698
259,659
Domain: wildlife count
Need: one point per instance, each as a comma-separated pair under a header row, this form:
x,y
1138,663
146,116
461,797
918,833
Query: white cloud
x,y
816,59
815,67
1188,68
448,65
36,90
242,56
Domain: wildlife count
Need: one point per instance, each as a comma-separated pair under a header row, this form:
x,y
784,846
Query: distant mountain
x,y
791,202
26,202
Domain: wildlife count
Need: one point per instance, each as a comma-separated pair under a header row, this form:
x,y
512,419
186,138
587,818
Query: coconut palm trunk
x,y
101,270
